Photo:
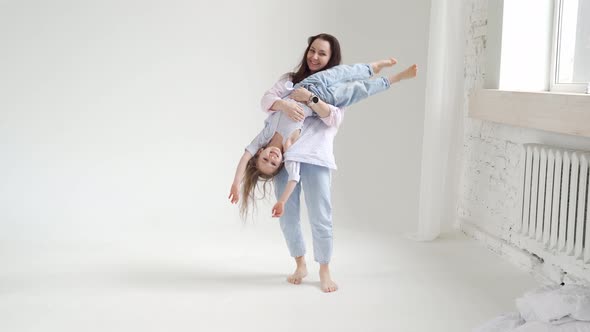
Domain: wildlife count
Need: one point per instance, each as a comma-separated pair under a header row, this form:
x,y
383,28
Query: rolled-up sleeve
x,y
292,168
277,92
335,117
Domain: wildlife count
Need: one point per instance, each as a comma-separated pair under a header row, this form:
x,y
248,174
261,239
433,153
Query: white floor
x,y
190,280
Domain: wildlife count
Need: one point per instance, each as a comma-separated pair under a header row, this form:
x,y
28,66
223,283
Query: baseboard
x,y
521,258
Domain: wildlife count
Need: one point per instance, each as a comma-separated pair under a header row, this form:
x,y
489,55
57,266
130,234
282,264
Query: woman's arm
x,y
291,108
331,115
272,100
335,117
234,193
276,93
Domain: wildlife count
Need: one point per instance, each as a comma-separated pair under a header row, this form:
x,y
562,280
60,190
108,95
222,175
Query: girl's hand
x,y
293,110
278,209
234,194
301,95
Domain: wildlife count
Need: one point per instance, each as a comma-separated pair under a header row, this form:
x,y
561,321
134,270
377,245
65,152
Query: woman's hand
x,y
301,95
293,110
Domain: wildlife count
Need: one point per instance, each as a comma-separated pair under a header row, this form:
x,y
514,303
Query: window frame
x,y
553,85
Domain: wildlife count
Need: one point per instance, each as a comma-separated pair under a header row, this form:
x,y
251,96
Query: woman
x,y
323,52
313,152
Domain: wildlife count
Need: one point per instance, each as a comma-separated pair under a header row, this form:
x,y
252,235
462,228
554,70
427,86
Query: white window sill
x,y
566,113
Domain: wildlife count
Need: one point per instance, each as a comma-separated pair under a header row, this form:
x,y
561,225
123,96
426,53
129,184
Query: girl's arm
x,y
234,193
293,169
279,207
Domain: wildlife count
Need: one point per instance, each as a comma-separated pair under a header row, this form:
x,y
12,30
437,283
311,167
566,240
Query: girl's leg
x,y
348,93
319,83
378,65
291,226
339,74
348,73
316,181
327,81
408,73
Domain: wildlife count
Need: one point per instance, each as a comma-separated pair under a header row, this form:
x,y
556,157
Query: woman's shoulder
x,y
286,76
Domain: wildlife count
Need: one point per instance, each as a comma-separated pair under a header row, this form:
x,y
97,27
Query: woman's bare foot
x,y
377,66
326,282
300,271
410,72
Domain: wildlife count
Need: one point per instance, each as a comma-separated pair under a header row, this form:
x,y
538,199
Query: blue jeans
x,y
344,85
316,183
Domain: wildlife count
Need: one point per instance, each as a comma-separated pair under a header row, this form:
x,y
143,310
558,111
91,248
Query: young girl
x,y
338,86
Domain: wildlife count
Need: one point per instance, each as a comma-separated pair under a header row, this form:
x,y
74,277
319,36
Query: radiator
x,y
555,202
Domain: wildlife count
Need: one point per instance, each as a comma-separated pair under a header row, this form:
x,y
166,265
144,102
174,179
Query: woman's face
x,y
318,55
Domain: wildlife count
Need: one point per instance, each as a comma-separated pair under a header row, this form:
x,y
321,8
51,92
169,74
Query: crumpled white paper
x,y
546,309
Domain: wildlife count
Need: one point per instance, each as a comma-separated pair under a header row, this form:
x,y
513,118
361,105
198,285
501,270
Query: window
x,y
538,45
570,70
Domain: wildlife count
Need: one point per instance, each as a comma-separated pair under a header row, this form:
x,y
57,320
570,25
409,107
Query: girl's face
x,y
318,55
269,160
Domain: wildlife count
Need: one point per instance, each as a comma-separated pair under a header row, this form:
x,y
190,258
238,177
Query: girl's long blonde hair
x,y
254,180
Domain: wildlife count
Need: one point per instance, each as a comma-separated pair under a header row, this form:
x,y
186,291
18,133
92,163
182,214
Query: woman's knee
x,y
322,230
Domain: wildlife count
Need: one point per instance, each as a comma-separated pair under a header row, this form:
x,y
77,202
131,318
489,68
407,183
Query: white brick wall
x,y
489,202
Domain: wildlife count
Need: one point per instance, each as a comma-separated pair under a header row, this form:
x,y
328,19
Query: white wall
x,y
126,115
383,193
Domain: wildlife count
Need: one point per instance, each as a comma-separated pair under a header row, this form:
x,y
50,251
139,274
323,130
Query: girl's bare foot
x,y
377,66
410,72
300,271
326,282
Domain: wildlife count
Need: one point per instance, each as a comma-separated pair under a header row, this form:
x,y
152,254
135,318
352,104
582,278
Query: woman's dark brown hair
x,y
335,59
